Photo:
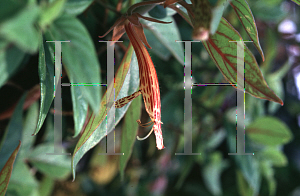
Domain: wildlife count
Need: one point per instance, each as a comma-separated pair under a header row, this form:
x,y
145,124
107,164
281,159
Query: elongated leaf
x,y
129,132
6,171
245,15
224,54
268,173
10,60
212,173
217,13
7,10
275,81
185,170
95,130
18,186
79,56
29,125
166,34
244,188
248,164
182,12
76,7
275,156
13,133
296,1
46,186
80,107
54,166
51,12
20,29
269,131
46,75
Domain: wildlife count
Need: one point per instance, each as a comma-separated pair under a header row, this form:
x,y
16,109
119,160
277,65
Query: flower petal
x,y
134,19
151,19
118,32
140,32
117,23
148,83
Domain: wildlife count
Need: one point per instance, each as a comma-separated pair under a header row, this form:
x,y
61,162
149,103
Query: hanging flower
x,y
149,87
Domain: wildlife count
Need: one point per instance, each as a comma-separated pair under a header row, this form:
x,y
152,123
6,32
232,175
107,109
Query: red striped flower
x,y
149,87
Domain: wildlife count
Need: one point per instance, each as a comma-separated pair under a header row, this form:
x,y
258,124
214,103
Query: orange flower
x,y
149,87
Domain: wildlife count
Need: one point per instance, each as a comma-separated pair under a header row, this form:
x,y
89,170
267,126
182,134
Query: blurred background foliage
x,y
272,131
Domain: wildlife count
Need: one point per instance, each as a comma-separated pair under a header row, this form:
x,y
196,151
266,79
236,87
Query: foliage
x,y
27,70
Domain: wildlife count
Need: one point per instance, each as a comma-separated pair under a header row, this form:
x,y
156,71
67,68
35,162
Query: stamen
x,y
144,124
138,138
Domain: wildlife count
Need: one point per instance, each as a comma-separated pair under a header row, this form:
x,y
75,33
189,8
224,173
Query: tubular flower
x,y
149,87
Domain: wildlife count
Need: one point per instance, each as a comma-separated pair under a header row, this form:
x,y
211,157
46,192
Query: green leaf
x,y
250,170
79,56
158,12
182,12
268,172
54,166
13,133
20,29
268,11
80,107
29,125
275,156
248,164
224,55
185,170
76,7
212,173
158,48
243,186
7,10
10,60
18,186
129,132
269,131
46,75
166,34
217,13
95,130
245,15
50,12
6,171
49,129
296,1
275,81
46,186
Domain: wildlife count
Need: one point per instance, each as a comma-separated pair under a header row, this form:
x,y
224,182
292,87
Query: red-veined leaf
x,y
244,14
224,54
296,1
6,171
95,130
